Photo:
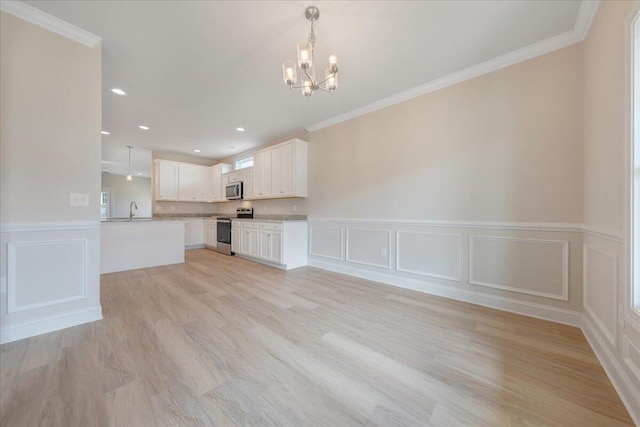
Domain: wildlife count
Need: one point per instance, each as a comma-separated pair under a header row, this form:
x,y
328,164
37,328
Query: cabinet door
x,y
283,171
247,183
245,242
166,184
197,232
216,184
236,234
186,181
212,233
200,183
271,246
262,175
253,243
276,247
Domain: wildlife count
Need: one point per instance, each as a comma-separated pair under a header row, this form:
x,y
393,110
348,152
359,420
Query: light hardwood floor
x,y
224,341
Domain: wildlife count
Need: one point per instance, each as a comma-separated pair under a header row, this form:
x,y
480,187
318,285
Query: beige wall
x,y
50,124
505,146
604,129
51,113
124,192
607,165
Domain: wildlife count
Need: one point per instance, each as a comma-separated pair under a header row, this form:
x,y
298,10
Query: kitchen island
x,y
140,243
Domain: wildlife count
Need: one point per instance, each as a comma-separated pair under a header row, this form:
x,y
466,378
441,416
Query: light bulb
x,y
289,73
333,60
129,177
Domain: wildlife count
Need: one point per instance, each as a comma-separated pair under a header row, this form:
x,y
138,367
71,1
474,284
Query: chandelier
x,y
308,83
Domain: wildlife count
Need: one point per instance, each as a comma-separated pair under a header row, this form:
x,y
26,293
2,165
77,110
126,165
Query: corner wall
x,y
49,148
611,327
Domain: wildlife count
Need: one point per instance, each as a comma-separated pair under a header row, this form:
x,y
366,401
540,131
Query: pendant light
x,y
129,176
308,82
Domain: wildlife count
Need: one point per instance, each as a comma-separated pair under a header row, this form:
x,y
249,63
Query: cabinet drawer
x,y
270,226
244,224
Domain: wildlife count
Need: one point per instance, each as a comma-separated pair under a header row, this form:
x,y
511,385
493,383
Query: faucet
x,y
131,214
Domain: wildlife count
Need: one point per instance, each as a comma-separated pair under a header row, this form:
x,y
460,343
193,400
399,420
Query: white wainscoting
x,y
529,266
533,277
600,278
45,273
326,242
428,254
52,277
369,247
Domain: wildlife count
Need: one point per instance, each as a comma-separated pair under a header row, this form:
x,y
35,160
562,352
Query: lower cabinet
x,y
212,233
281,244
235,238
194,233
249,242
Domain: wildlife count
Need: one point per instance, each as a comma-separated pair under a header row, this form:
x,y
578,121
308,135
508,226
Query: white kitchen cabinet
x,y
193,183
247,183
217,190
262,174
194,233
271,246
279,244
165,179
281,171
212,233
235,176
249,242
235,238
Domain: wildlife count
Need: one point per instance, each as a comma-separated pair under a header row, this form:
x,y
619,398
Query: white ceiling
x,y
196,70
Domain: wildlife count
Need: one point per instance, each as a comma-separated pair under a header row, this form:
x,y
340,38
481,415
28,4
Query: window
x,y
247,162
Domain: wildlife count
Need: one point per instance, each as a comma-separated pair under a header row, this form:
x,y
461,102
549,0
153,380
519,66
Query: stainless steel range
x,y
224,230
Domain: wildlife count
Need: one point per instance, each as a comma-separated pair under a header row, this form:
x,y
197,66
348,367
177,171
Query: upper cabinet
x,y
193,183
281,171
174,181
165,180
262,174
217,191
278,171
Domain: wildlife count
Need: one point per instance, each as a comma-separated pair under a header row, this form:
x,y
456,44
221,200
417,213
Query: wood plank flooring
x,y
221,341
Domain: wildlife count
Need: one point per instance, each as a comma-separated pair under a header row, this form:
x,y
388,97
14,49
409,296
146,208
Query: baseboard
x,y
558,315
67,320
627,391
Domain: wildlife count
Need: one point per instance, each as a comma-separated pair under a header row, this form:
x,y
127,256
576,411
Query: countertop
x,y
182,217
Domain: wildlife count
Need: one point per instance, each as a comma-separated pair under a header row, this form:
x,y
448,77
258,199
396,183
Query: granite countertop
x,y
180,217
266,218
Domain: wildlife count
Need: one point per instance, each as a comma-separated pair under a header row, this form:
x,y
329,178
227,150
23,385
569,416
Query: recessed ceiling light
x,y
196,150
104,132
139,173
143,127
118,91
233,146
240,129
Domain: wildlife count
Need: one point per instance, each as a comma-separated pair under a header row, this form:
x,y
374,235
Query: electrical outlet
x,y
383,252
78,199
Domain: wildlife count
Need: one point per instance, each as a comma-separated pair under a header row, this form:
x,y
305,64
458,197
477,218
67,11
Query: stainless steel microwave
x,y
234,191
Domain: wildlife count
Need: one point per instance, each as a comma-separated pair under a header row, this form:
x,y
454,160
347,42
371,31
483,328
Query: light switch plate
x,y
78,199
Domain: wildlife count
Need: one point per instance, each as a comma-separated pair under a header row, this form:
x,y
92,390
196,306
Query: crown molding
x,y
586,14
585,17
50,22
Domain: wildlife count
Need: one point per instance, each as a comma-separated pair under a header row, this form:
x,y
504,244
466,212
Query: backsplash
x,y
293,206
184,208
